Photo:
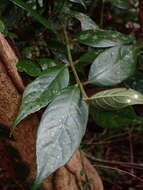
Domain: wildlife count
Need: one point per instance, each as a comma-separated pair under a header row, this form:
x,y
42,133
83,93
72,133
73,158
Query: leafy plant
x,y
117,119
59,88
121,4
2,26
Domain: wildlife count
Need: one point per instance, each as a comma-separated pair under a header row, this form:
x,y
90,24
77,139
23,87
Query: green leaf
x,y
86,22
82,2
11,35
122,4
2,26
46,63
124,117
116,99
42,90
29,67
90,56
27,52
135,82
113,66
60,132
103,38
35,14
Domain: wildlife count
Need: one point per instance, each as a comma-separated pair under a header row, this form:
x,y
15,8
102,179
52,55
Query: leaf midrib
x,y
61,70
108,68
57,137
70,103
109,96
50,84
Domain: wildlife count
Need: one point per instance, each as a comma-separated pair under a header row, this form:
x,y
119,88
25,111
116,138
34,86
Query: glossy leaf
x,y
29,67
122,4
82,2
116,99
46,63
27,52
42,90
60,132
113,66
110,119
103,38
90,56
2,26
86,22
35,14
135,82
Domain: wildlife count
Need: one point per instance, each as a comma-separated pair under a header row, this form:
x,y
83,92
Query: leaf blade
x,y
2,26
90,56
121,4
113,66
86,22
46,63
42,90
82,2
103,38
116,120
29,67
116,99
135,82
34,14
62,127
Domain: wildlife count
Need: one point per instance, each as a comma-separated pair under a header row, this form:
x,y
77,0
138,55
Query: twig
x,y
72,63
115,136
85,83
131,150
10,60
125,164
109,140
92,7
102,14
83,166
119,170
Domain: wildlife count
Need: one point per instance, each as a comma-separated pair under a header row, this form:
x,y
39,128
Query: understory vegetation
x,y
82,63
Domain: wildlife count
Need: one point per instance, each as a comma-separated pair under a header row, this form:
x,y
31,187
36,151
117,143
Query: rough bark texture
x,y
78,174
10,60
10,99
68,177
25,133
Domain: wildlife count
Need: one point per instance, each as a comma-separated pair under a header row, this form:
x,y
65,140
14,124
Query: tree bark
x,y
10,60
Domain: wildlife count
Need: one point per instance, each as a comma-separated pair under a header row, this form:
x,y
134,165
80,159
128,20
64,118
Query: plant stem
x,y
92,8
102,14
34,187
119,170
85,83
72,63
